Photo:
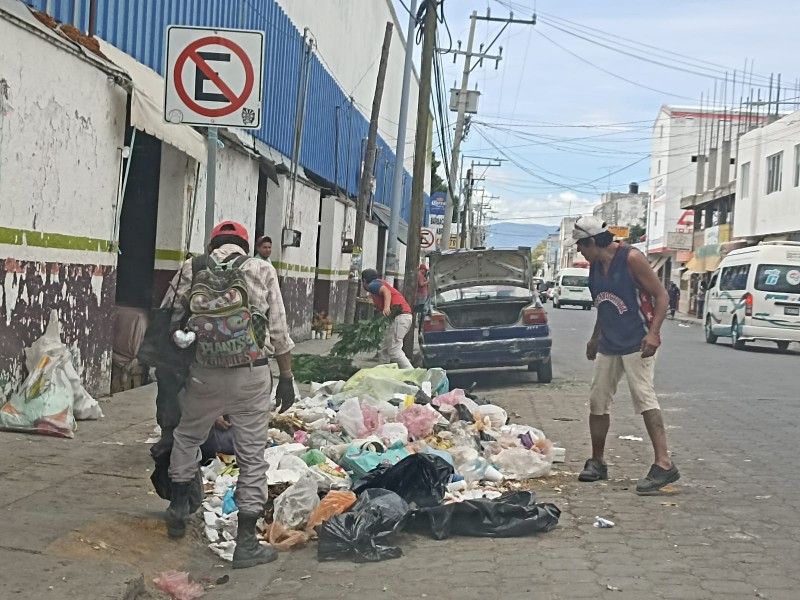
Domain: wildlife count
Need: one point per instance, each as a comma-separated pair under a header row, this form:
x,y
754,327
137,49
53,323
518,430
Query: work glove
x,y
284,394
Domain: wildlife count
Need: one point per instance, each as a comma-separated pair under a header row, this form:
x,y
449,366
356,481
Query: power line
x,y
604,70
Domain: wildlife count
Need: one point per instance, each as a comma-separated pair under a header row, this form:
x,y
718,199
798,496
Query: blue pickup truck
x,y
484,313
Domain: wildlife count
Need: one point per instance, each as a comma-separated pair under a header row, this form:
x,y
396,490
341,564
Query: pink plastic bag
x,y
373,420
451,398
176,583
419,420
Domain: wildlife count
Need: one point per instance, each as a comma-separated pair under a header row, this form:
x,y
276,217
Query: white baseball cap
x,y
589,226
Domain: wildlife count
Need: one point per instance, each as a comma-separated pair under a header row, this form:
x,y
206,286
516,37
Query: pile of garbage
x,y
387,450
52,396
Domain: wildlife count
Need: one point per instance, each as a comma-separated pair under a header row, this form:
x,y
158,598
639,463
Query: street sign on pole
x,y
427,239
213,77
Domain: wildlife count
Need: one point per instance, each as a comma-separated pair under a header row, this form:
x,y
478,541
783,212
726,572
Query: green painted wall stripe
x,y
174,255
40,239
333,272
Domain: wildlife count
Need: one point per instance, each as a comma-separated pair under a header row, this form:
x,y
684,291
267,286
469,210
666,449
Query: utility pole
x,y
392,265
420,164
462,102
468,239
467,197
367,178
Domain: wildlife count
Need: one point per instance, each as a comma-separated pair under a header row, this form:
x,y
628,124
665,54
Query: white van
x,y
755,295
572,288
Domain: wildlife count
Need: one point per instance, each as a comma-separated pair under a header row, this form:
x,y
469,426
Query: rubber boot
x,y
196,493
249,552
178,511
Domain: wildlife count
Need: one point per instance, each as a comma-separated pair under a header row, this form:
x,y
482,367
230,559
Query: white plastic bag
x,y
391,433
295,505
351,418
84,407
521,463
496,415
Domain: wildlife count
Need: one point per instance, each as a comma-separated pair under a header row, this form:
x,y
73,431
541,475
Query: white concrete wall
x,y
176,192
334,265
62,124
370,256
60,133
349,35
236,194
757,213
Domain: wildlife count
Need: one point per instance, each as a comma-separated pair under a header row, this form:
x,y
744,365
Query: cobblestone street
x,y
728,530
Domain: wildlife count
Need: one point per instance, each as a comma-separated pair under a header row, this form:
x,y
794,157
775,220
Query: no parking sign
x,y
214,77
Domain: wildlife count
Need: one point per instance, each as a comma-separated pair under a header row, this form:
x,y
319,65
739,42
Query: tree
x,y
536,254
437,183
636,233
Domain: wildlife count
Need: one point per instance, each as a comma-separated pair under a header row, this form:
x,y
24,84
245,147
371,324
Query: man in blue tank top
x,y
631,306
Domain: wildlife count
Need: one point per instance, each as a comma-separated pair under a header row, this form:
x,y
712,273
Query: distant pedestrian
x,y
228,299
386,298
625,340
674,293
423,282
264,248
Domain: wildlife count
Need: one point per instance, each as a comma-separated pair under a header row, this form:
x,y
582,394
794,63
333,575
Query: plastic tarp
x,y
147,106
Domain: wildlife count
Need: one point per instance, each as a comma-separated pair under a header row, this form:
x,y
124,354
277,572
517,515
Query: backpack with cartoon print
x,y
230,332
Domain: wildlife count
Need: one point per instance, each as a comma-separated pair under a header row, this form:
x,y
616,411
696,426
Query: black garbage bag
x,y
419,479
463,414
363,533
512,515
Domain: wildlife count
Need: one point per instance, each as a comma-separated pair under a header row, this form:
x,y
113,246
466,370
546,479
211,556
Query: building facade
x,y
768,186
100,212
624,209
693,150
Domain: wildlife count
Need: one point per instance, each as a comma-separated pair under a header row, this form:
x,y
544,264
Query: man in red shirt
x,y
385,298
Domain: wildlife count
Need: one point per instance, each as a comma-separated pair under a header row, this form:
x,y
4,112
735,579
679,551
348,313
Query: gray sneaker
x,y
656,479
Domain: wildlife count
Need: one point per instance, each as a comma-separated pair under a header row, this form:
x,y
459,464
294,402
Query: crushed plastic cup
x,y
602,523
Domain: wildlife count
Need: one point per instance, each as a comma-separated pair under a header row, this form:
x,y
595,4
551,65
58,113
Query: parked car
x,y
483,313
572,289
755,295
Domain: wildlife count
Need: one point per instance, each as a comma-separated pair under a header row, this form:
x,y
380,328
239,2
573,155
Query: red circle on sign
x,y
427,239
236,101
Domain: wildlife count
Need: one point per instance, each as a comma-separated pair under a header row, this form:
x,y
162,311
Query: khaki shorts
x,y
608,371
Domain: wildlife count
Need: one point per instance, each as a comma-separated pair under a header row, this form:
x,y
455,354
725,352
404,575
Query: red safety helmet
x,y
230,228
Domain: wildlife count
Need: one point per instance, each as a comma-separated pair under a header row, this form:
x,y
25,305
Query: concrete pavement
x,y
80,521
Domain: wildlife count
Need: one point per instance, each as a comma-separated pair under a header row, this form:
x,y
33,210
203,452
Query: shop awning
x,y
658,260
384,215
706,259
147,105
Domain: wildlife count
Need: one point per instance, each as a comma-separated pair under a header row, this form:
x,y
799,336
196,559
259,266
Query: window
x,y
575,281
744,177
797,165
734,278
659,168
774,172
661,131
781,279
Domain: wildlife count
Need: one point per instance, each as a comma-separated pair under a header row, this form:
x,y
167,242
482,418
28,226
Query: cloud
x,y
546,210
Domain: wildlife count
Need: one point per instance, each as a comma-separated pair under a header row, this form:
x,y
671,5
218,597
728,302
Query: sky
x,y
571,118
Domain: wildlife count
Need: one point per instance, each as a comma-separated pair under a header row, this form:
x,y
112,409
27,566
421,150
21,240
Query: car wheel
x,y
783,346
735,341
710,337
544,372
